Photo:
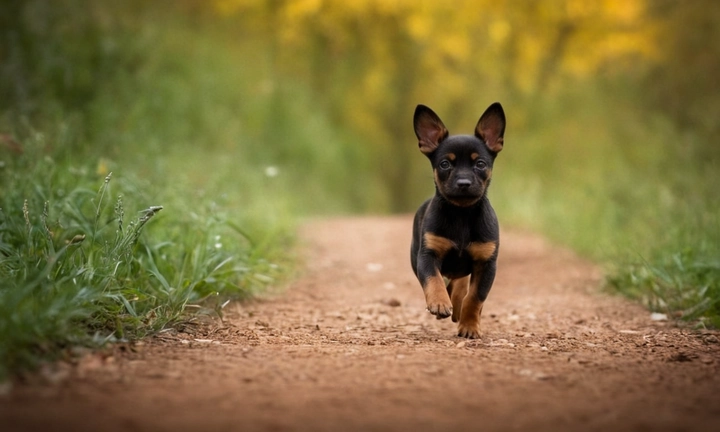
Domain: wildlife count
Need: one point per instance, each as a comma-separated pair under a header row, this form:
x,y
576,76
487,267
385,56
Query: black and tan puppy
x,y
455,233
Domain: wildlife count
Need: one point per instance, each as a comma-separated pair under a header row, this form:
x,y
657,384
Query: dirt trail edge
x,y
350,347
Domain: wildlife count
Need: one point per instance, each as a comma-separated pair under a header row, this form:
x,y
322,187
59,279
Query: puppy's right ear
x,y
429,129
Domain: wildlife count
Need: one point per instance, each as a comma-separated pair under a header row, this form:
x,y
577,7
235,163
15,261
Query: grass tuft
x,y
683,284
77,271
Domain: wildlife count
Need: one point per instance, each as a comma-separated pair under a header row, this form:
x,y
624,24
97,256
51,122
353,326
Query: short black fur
x,y
456,233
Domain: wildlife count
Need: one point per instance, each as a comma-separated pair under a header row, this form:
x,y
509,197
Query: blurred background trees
x,y
369,62
684,85
362,65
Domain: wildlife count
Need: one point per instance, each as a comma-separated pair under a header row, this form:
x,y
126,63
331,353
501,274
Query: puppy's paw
x,y
437,298
470,331
469,325
441,310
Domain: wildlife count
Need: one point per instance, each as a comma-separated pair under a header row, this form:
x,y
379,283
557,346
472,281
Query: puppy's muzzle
x,y
463,183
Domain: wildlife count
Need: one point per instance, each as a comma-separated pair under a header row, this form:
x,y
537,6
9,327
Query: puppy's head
x,y
462,164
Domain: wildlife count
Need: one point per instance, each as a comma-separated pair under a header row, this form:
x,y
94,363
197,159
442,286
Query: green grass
x,y
683,283
86,258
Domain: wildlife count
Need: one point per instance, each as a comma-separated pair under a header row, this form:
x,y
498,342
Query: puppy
x,y
455,233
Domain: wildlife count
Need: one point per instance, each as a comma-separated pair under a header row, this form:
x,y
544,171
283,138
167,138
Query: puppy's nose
x,y
463,183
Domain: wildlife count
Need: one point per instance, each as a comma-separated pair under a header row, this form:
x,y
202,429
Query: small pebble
x,y
393,302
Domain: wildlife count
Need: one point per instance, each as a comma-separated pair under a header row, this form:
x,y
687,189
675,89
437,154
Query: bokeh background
x,y
274,110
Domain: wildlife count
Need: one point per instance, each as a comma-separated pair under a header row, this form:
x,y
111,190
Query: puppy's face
x,y
462,166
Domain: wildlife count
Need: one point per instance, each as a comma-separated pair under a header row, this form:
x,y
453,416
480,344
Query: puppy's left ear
x,y
491,127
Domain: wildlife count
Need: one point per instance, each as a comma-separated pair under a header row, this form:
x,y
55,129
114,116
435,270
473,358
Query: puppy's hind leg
x,y
480,284
457,288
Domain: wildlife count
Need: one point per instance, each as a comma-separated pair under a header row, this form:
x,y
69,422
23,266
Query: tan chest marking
x,y
481,251
439,245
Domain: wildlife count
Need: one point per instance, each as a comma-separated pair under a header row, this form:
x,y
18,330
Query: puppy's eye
x,y
445,165
480,164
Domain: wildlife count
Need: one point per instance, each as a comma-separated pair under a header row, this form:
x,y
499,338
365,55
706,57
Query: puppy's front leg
x,y
436,295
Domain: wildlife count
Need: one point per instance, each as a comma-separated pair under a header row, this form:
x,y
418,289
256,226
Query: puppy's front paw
x,y
470,331
441,310
437,298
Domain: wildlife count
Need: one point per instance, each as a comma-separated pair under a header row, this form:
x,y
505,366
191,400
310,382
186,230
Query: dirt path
x,y
350,347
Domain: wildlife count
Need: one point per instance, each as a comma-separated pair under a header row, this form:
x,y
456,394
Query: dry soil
x,y
349,346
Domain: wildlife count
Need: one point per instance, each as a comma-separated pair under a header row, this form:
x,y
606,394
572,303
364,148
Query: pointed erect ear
x,y
429,129
491,127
